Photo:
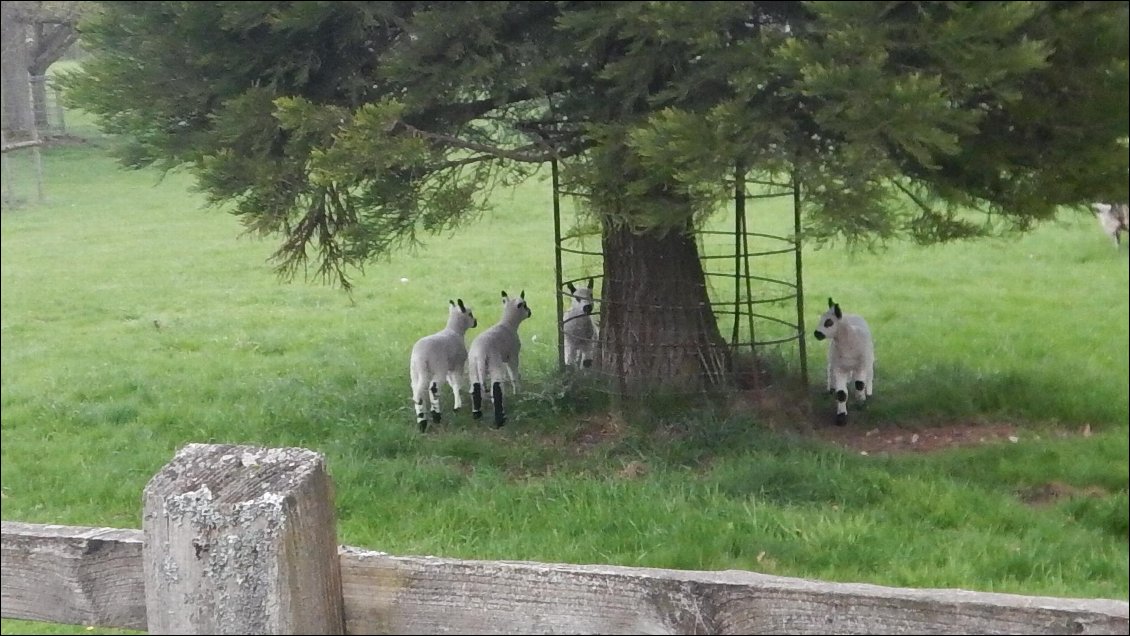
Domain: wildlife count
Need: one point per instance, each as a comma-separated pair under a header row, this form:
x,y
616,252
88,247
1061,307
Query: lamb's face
x,y
515,309
582,297
829,322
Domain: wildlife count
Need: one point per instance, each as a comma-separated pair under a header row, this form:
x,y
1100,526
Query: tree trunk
x,y
657,329
17,93
51,42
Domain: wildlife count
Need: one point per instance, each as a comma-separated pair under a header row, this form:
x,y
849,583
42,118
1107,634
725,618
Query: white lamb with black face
x,y
851,356
578,327
1113,219
494,356
438,357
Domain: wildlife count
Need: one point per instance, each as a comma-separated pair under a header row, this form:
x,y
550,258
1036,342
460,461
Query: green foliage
x,y
347,127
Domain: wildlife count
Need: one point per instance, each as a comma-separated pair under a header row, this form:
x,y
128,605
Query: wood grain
x,y
241,540
72,575
419,595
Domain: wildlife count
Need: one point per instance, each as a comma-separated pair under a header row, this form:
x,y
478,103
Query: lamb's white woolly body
x,y
851,356
578,328
494,356
438,357
1113,219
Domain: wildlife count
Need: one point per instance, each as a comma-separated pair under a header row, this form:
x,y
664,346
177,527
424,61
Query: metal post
x,y
557,268
799,283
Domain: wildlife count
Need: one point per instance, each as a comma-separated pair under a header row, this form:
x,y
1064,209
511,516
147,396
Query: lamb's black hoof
x,y
841,419
499,422
423,424
478,415
435,417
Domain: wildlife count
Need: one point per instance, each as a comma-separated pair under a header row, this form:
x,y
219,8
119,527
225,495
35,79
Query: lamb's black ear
x,y
572,289
461,307
451,301
830,303
522,295
504,296
839,314
590,282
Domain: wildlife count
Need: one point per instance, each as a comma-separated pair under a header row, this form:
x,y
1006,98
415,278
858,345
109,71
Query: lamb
x,y
578,328
494,354
442,355
1113,219
851,355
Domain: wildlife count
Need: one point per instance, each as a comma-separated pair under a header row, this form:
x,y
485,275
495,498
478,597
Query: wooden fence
x,y
242,540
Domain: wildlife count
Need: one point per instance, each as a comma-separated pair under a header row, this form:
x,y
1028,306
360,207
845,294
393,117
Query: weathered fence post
x,y
241,540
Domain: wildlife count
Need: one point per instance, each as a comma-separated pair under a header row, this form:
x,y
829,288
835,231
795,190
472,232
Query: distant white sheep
x,y
578,327
1113,219
438,357
851,356
494,356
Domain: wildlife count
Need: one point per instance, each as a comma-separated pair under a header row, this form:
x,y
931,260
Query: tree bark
x,y
17,91
658,331
51,42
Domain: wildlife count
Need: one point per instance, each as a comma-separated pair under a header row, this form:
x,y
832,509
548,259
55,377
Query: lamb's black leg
x,y
841,407
435,402
499,410
421,419
477,401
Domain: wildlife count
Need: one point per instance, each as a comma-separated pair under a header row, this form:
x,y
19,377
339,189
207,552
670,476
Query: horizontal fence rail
x,y
422,595
120,578
72,575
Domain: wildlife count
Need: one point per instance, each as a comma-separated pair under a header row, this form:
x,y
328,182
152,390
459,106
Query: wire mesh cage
x,y
50,116
23,137
22,169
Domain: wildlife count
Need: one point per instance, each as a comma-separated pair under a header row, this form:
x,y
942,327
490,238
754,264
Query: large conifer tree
x,y
346,128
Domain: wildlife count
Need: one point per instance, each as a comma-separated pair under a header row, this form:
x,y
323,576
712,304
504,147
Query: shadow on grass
x,y
693,430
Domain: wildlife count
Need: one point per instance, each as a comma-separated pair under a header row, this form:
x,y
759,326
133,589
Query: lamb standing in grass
x,y
1113,218
578,328
851,356
494,356
440,356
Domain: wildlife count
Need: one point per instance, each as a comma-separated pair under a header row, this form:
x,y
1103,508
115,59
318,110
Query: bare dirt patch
x,y
780,411
927,439
597,430
875,441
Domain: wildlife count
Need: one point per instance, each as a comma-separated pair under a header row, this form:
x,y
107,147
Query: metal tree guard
x,y
753,327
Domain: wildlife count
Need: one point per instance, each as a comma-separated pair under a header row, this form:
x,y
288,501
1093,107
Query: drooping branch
x,y
922,205
325,214
934,225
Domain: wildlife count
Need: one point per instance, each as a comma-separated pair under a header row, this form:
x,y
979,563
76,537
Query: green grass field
x,y
134,322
